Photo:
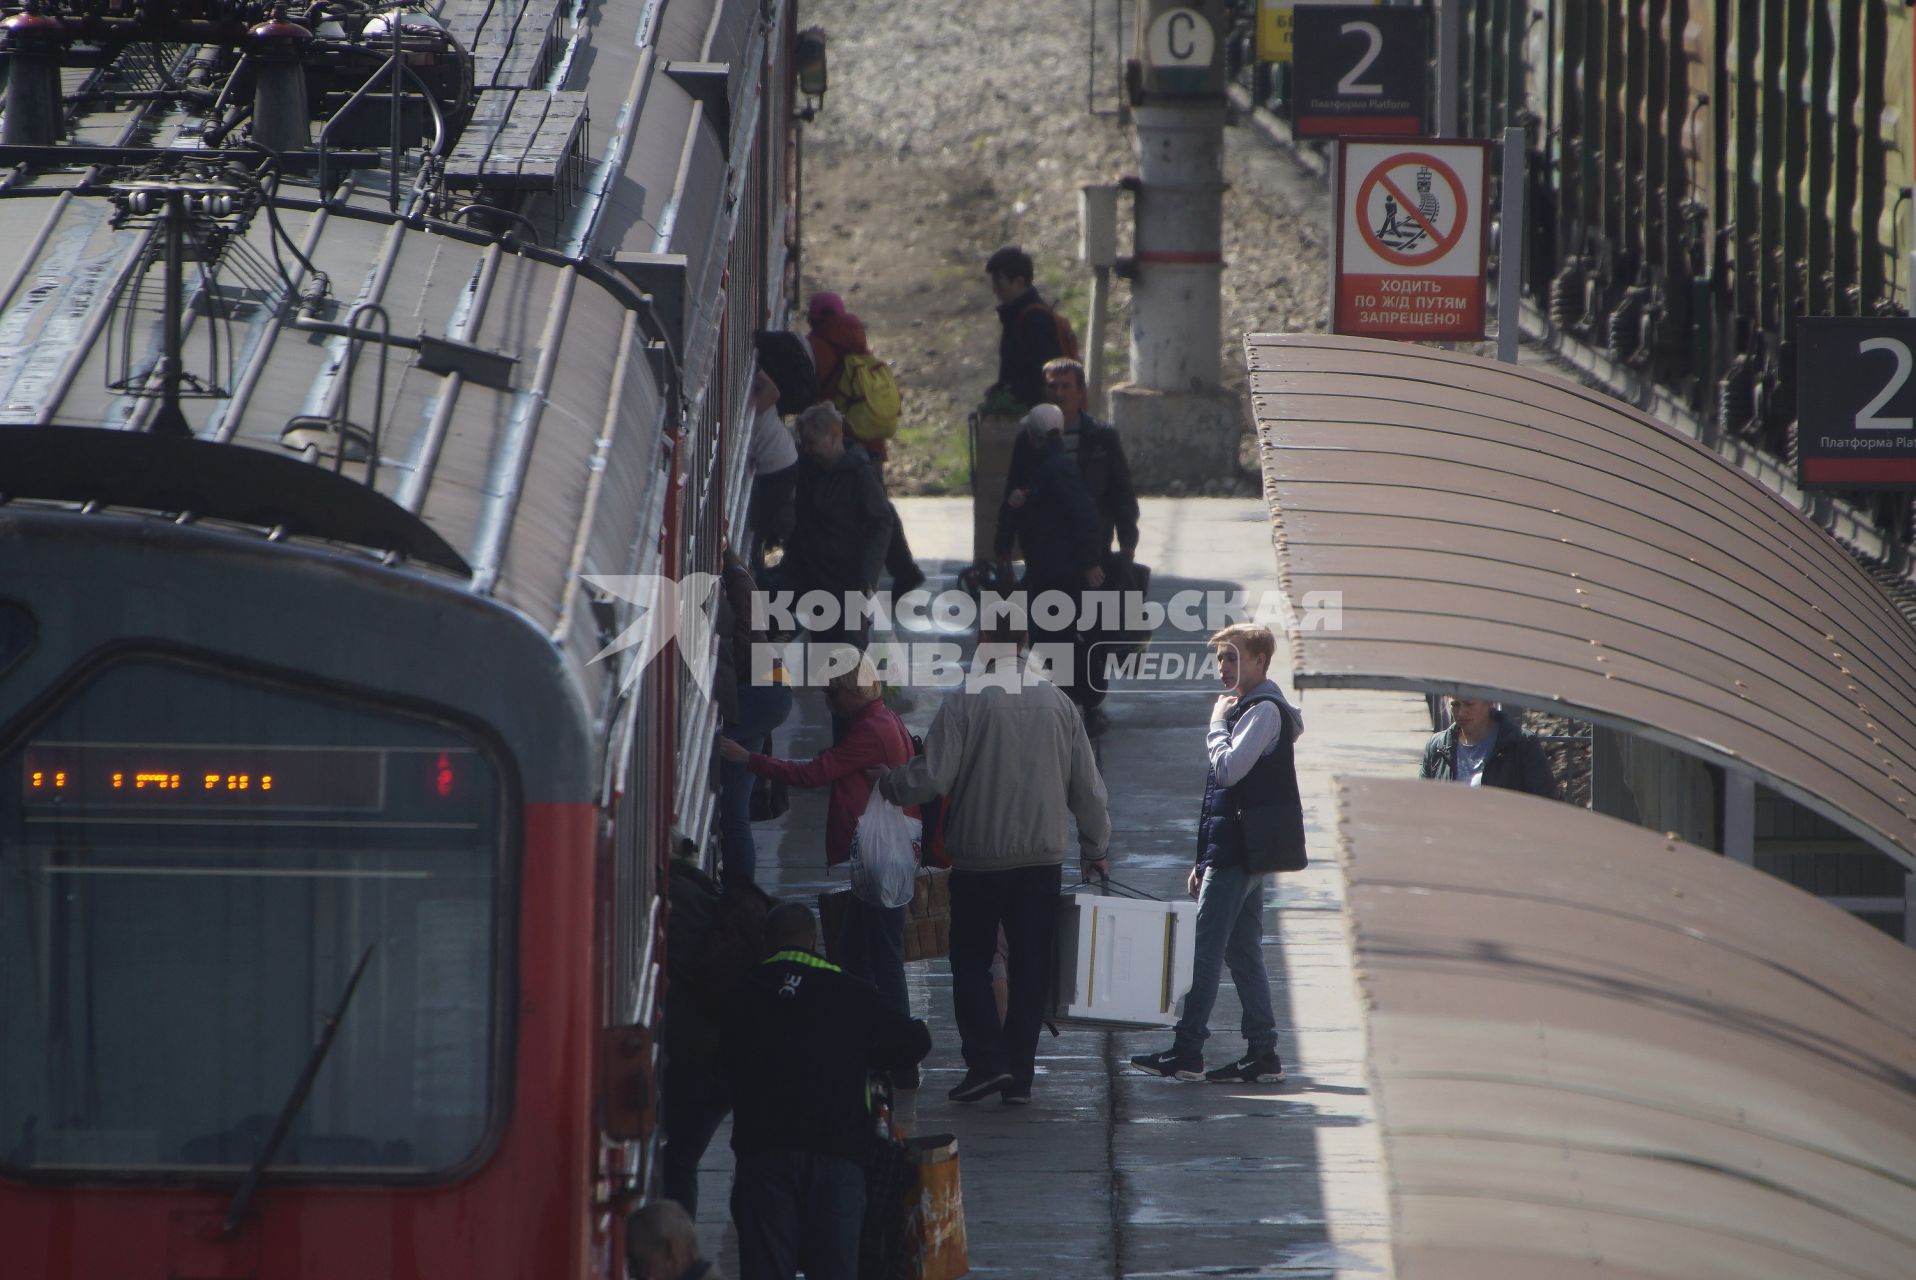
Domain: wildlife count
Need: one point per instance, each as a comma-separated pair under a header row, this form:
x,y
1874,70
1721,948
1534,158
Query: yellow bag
x,y
867,395
935,1224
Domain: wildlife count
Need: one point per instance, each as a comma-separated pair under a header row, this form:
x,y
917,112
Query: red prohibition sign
x,y
1440,243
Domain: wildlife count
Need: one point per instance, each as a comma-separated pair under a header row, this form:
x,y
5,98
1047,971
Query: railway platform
x,y
1111,1173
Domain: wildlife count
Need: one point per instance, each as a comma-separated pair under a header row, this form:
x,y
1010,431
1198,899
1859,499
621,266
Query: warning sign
x,y
1411,239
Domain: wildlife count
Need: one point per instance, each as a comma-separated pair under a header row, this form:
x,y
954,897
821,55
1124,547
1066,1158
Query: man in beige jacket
x,y
1011,754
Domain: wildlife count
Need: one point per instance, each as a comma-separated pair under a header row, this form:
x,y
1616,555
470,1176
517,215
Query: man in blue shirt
x,y
1250,748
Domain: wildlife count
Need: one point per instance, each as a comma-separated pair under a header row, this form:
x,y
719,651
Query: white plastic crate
x,y
1123,962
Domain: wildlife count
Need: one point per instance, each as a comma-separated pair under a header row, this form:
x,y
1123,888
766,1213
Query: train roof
x,y
519,384
1601,1051
1494,530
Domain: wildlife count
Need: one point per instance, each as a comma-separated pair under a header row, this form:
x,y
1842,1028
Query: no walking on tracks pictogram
x,y
1410,243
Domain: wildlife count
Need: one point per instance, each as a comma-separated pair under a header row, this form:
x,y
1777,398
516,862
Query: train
x,y
364,366
1702,174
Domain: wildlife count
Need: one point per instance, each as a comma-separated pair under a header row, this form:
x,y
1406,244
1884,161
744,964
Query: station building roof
x,y
1494,530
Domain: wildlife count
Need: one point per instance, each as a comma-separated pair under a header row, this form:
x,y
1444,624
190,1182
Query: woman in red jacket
x,y
873,943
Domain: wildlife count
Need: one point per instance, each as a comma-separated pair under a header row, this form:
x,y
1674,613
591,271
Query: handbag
x,y
770,798
1131,578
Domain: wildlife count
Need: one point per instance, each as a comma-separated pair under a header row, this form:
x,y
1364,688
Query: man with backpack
x,y
1034,332
861,387
1251,823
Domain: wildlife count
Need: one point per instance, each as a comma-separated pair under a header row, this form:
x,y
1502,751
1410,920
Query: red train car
x,y
331,848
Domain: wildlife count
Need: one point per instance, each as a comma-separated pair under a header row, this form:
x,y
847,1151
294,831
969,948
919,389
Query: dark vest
x,y
1270,788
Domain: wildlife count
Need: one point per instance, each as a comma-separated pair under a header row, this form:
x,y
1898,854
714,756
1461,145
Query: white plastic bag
x,y
885,854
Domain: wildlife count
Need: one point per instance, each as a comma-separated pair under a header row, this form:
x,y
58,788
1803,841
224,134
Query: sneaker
x,y
980,1084
1184,1066
1015,1095
1250,1069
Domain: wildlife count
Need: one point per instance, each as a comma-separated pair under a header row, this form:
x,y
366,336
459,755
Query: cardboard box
x,y
1123,962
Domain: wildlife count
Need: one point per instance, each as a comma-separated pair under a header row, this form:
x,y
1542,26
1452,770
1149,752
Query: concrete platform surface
x,y
1111,1173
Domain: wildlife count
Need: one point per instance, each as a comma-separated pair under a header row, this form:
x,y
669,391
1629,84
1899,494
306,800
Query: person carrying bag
x,y
871,938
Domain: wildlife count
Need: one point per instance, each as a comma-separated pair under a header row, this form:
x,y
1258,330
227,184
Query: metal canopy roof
x,y
1497,530
1600,1051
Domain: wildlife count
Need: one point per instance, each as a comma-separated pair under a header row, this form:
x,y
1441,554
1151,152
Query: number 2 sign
x,y
1360,71
1856,402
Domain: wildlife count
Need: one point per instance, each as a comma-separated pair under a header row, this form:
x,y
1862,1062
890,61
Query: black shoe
x,y
911,581
979,1084
1184,1066
1263,1068
1015,1095
1095,722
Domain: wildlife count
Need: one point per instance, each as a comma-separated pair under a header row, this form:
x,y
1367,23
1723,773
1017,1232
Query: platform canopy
x,y
1495,530
1598,1051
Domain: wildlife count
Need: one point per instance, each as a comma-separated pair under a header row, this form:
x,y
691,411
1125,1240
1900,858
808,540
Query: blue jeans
x,y
794,1208
1230,931
761,709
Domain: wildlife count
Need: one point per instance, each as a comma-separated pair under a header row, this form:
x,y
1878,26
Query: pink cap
x,y
823,306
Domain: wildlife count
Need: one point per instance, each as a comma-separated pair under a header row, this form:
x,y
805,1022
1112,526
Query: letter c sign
x,y
1180,38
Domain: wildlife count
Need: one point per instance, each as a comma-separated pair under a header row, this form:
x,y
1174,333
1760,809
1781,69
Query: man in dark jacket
x,y
1099,453
1057,523
844,521
799,1039
1484,748
1251,749
1030,336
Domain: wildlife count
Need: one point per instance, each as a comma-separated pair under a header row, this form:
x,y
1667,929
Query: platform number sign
x,y
1856,402
1360,71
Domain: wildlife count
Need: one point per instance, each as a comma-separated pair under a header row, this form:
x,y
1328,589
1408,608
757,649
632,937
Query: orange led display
x,y
196,776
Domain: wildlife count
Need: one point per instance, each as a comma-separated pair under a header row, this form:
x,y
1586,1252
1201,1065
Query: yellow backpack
x,y
867,394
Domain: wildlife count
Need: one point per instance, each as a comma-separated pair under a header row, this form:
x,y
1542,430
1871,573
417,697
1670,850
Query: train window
x,y
17,630
191,867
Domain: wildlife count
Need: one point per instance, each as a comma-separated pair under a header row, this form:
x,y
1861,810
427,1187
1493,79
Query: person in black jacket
x,y
1058,525
1484,748
798,1040
1099,454
844,522
1030,336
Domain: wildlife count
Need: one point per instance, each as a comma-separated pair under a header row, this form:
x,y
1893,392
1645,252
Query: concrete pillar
x,y
1177,424
1175,323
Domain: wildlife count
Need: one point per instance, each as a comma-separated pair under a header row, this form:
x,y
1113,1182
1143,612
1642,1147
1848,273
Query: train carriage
x,y
331,846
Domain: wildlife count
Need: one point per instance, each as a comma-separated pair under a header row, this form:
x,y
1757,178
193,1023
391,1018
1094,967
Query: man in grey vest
x,y
1252,823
